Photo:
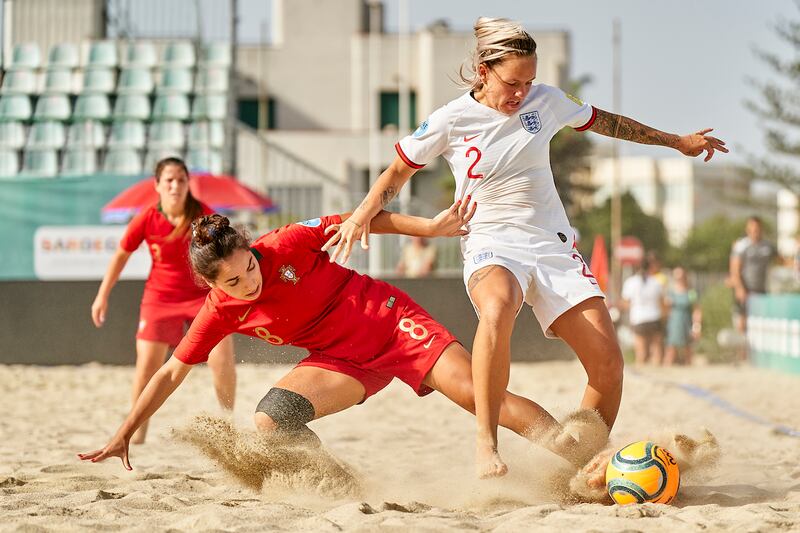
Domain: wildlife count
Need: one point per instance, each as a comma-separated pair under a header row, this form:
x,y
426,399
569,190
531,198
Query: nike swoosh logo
x,y
468,139
428,344
241,318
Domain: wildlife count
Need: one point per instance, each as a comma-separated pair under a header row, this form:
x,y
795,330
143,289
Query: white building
x,y
318,106
681,191
316,79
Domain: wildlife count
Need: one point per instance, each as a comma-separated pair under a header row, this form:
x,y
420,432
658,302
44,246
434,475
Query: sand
x,y
410,458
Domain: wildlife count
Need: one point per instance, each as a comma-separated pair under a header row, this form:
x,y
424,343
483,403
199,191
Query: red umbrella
x,y
222,193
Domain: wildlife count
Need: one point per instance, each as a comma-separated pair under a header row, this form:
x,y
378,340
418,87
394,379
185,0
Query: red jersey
x,y
305,300
171,279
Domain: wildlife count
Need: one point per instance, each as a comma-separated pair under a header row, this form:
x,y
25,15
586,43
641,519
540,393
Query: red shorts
x,y
416,344
167,322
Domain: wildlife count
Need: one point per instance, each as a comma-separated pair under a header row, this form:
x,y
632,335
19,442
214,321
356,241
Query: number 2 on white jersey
x,y
473,150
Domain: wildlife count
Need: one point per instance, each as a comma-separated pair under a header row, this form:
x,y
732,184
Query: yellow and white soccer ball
x,y
642,472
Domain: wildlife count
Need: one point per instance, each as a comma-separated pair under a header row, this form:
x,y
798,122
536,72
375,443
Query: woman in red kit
x,y
361,333
171,296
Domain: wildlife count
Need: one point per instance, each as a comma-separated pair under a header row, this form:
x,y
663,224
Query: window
x,y
390,109
250,108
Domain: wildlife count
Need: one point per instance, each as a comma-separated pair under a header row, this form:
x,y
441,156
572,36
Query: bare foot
x,y
589,484
488,462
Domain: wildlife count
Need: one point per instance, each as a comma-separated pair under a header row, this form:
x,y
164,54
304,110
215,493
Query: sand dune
x,y
410,458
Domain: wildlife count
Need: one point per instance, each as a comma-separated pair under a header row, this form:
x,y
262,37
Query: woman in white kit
x,y
520,246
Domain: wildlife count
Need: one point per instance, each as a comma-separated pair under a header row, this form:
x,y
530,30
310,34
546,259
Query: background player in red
x,y
520,247
361,332
171,296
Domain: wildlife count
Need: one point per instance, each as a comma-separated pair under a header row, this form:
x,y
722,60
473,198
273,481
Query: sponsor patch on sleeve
x,y
312,223
420,131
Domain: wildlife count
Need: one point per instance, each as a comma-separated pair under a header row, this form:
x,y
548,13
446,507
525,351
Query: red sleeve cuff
x,y
591,121
405,158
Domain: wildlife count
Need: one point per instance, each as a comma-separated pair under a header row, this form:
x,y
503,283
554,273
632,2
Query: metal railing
x,y
303,191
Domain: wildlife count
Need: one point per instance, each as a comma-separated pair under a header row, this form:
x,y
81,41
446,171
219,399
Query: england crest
x,y
530,121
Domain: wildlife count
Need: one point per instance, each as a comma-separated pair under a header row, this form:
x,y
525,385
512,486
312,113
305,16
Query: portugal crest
x,y
531,122
288,274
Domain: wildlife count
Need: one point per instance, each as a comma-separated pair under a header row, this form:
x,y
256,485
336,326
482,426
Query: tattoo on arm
x,y
478,276
621,127
387,195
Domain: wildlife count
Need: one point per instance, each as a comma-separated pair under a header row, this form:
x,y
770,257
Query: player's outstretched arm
x,y
357,227
100,304
627,129
448,223
161,386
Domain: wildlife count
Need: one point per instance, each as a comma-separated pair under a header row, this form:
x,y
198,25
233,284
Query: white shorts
x,y
552,281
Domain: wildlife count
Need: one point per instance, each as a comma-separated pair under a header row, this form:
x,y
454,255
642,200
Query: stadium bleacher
x,y
112,106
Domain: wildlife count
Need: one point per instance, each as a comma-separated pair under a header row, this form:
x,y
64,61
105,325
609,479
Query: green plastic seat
x,y
79,161
210,107
175,81
140,54
46,135
9,163
135,81
25,56
132,106
92,107
12,135
171,107
19,82
39,163
52,107
123,161
63,55
204,160
167,134
206,133
101,54
178,54
217,54
15,107
212,80
98,81
86,134
58,81
127,134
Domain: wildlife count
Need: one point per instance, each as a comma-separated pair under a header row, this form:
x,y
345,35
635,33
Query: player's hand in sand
x,y
451,221
117,447
695,144
99,308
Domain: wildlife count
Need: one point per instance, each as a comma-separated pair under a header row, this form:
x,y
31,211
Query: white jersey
x,y
503,161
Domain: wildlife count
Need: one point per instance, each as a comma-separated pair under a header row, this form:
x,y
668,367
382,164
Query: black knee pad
x,y
288,409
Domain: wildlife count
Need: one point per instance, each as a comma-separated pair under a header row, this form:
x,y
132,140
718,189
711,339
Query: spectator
x,y
684,320
657,269
750,260
643,297
418,258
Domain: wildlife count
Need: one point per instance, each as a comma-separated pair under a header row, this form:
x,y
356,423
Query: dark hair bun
x,y
207,229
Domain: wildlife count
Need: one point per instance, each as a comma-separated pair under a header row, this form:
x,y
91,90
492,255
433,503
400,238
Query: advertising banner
x,y
31,203
773,331
83,253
